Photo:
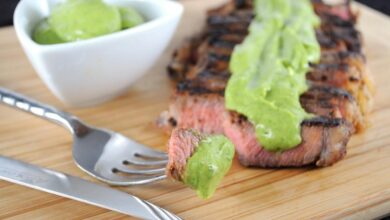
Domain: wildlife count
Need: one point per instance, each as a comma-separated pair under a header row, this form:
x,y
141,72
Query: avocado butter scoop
x,y
76,20
208,165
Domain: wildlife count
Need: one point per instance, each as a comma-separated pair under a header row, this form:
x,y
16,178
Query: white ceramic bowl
x,y
92,71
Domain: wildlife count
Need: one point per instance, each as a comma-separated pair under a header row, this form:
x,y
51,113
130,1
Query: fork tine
x,y
152,155
145,151
146,162
127,181
126,170
148,179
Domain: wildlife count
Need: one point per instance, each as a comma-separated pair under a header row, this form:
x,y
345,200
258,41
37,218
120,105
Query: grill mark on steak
x,y
234,18
221,44
240,31
337,84
197,88
349,38
332,102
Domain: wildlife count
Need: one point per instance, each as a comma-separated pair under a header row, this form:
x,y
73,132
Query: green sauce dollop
x,y
76,20
208,165
268,71
130,17
44,34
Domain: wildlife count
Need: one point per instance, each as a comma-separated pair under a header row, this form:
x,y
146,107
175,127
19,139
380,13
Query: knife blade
x,y
78,189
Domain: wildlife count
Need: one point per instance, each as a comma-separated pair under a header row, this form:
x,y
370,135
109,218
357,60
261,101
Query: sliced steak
x,y
324,139
339,95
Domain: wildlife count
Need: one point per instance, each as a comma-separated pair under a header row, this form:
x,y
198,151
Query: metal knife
x,y
78,189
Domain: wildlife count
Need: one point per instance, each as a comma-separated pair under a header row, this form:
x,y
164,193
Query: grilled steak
x,y
340,92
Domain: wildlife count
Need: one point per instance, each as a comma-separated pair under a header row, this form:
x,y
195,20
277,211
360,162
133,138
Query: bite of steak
x,y
181,146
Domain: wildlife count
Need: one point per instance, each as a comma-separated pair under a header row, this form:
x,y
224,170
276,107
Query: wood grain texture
x,y
355,188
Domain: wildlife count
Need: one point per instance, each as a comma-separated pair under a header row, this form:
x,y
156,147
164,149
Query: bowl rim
x,y
24,36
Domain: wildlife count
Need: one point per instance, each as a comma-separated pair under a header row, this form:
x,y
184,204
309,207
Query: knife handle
x,y
50,113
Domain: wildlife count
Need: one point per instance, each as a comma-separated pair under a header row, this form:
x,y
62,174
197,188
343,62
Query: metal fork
x,y
103,154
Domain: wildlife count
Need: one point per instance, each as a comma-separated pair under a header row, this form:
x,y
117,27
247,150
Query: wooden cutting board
x,y
357,187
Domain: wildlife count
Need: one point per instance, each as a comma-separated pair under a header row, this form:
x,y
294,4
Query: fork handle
x,y
50,113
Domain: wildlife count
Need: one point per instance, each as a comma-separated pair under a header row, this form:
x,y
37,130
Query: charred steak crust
x,y
339,95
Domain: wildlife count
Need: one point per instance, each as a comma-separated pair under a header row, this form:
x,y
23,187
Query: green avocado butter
x,y
83,19
208,165
44,34
269,68
130,17
75,20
